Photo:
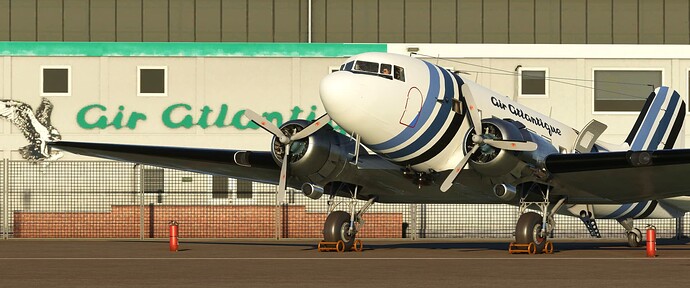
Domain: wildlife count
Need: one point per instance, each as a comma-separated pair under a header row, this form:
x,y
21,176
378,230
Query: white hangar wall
x,y
277,77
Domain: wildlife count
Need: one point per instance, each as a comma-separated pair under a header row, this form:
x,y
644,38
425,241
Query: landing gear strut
x,y
533,229
341,226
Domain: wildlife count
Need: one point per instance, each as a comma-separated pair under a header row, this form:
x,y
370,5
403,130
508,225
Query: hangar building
x,y
180,72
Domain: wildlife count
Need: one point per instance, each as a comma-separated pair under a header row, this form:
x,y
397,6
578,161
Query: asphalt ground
x,y
297,263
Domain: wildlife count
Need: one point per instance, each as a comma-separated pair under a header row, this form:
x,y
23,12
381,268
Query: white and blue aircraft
x,y
422,134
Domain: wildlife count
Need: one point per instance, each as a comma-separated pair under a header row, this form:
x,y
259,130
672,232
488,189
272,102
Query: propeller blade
x,y
453,174
511,145
283,176
267,125
472,109
313,127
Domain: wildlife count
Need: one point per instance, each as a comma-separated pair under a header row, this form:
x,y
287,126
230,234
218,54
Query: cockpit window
x,y
385,69
348,65
399,73
365,66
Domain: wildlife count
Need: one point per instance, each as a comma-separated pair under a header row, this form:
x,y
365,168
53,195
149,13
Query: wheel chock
x,y
339,246
530,248
358,246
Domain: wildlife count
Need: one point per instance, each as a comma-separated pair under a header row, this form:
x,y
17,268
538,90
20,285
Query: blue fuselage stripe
x,y
640,206
644,133
619,211
665,122
435,127
424,114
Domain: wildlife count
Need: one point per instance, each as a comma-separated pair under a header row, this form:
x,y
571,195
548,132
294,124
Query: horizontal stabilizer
x,y
622,177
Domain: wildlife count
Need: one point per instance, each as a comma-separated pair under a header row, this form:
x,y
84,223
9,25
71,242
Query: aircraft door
x,y
413,105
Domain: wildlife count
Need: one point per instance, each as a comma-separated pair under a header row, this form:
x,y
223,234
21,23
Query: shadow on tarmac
x,y
462,246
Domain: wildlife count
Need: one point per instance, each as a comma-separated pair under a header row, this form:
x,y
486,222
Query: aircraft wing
x,y
249,165
621,176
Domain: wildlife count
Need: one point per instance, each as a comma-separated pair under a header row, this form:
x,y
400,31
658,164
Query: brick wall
x,y
238,221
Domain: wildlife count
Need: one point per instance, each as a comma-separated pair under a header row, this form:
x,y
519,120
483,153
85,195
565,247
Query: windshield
x,y
367,66
383,70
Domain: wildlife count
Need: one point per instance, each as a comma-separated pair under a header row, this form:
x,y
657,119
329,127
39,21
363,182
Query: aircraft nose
x,y
340,97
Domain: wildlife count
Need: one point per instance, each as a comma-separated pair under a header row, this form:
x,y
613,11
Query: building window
x,y
219,187
152,81
154,182
244,189
624,90
532,82
56,81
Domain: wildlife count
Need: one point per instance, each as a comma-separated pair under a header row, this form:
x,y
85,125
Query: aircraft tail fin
x,y
659,122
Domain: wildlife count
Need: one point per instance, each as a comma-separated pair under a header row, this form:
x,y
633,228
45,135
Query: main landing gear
x,y
341,226
532,229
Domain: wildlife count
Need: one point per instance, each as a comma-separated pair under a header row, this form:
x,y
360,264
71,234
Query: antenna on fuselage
x,y
412,50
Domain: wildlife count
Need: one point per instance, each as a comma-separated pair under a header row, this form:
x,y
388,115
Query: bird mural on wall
x,y
36,128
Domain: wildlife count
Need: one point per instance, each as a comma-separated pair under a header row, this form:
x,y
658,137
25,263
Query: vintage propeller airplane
x,y
411,114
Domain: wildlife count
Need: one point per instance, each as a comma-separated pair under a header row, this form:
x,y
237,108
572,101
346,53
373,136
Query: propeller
x,y
479,139
286,140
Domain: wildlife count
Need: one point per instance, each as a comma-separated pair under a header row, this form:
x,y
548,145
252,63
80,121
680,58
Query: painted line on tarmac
x,y
338,259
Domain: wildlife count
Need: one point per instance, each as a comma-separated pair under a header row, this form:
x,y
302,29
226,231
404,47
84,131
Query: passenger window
x,y
399,73
367,66
342,67
385,69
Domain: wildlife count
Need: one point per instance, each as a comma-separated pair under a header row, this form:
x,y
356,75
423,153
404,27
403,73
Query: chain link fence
x,y
104,199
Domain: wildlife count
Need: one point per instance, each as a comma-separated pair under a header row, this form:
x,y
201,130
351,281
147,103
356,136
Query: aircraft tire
x,y
634,240
528,225
336,229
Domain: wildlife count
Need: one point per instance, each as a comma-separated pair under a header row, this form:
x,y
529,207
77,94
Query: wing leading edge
x,y
622,176
249,165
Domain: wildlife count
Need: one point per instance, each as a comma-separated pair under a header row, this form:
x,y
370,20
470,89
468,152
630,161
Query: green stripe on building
x,y
185,49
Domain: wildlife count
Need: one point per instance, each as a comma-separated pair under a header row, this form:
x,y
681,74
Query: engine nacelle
x,y
496,163
312,191
320,156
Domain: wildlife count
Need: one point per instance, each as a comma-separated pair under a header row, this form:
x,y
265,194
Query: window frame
x,y
69,80
546,82
593,100
165,81
687,89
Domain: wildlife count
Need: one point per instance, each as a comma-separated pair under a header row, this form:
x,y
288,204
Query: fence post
x,y
413,219
5,199
141,200
276,219
679,227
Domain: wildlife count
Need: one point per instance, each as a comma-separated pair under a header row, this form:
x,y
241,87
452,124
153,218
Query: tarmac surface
x,y
297,263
